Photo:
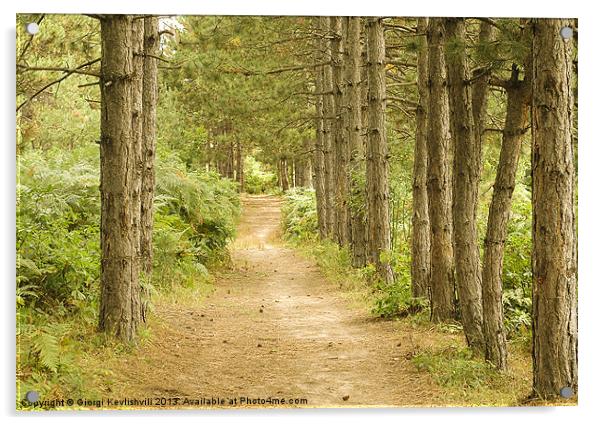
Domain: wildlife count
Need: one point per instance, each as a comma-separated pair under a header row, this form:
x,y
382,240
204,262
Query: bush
x,y
299,215
195,216
58,215
396,299
58,253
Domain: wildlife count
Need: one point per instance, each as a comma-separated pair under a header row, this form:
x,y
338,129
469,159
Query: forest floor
x,y
275,327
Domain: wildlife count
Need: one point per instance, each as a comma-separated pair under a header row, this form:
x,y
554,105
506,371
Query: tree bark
x,y
554,237
120,312
240,166
304,165
466,177
341,150
284,180
421,260
137,170
377,161
149,141
438,183
318,154
357,202
480,87
517,108
329,114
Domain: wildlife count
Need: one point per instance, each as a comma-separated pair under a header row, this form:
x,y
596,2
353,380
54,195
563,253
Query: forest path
x,y
275,327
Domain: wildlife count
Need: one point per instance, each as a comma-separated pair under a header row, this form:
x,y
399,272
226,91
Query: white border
x,y
590,164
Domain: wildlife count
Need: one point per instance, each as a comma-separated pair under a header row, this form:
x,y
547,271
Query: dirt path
x,y
275,327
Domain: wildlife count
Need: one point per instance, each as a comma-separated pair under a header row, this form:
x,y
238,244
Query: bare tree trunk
x,y
438,183
120,312
341,150
421,242
517,108
303,166
480,86
318,154
240,166
357,204
149,141
466,177
377,169
284,181
554,238
230,161
137,170
329,114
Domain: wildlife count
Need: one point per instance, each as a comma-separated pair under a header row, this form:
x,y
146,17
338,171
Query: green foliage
x,y
58,211
181,131
456,367
257,178
46,348
516,274
58,251
396,299
194,220
299,215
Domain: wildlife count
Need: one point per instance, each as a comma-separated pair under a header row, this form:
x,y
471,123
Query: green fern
x,y
46,347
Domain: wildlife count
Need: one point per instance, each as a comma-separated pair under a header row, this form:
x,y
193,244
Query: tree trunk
x,y
240,167
303,166
329,114
466,177
421,242
120,312
517,108
149,141
554,239
341,150
377,169
480,86
284,181
318,154
357,202
438,182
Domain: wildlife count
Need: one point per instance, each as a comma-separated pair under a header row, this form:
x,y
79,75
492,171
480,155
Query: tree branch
x,y
59,69
67,74
28,43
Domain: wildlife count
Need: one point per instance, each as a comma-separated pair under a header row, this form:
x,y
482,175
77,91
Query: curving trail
x,y
275,327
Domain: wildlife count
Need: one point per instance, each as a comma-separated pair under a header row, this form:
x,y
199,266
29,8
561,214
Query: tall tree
x,y
120,312
421,260
554,238
135,183
149,141
357,202
466,178
341,150
329,116
438,180
517,108
480,82
318,152
377,161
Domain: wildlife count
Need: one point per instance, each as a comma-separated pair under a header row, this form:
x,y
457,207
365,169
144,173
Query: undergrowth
x,y
58,257
442,351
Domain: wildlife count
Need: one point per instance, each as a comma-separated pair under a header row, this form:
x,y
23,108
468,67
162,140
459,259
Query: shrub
x,y
58,253
396,299
299,215
58,211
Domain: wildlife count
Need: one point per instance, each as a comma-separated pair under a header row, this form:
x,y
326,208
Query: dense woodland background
x,y
432,160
